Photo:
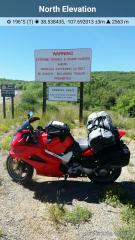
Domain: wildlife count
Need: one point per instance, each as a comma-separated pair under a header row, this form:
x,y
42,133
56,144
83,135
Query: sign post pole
x,y
4,107
12,106
81,103
44,97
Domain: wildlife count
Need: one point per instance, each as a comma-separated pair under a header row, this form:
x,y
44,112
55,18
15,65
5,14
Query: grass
x,y
4,128
8,123
65,112
128,213
0,181
124,122
112,200
1,232
56,212
114,195
77,215
127,230
5,143
60,112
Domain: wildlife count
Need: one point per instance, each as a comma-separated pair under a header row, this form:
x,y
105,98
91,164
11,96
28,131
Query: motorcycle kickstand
x,y
65,177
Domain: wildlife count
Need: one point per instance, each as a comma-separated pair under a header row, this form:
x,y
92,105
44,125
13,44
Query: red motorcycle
x,y
52,151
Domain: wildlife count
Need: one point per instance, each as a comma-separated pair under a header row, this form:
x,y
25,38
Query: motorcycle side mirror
x,y
33,119
30,114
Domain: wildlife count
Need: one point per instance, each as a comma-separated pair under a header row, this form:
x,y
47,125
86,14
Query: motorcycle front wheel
x,y
105,176
19,171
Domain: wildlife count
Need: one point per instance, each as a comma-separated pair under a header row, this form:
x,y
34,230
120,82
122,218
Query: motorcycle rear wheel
x,y
110,177
19,171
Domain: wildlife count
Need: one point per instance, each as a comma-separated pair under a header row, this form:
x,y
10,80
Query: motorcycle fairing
x,y
50,166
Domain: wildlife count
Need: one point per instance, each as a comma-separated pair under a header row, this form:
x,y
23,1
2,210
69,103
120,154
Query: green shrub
x,y
131,110
114,195
1,232
30,99
127,230
126,104
0,182
58,214
5,143
87,102
67,114
3,128
111,199
77,215
128,213
109,101
53,108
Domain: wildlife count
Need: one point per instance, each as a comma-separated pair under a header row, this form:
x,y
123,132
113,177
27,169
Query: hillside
x,y
110,91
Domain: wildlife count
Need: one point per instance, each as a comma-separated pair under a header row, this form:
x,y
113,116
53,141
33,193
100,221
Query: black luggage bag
x,y
117,155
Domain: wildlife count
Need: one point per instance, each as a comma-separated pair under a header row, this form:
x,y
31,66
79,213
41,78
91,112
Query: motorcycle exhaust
x,y
87,170
77,170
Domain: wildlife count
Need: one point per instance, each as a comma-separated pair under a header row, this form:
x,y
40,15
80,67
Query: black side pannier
x,y
56,128
117,155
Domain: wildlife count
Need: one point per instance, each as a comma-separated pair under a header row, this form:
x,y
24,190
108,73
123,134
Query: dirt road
x,y
24,211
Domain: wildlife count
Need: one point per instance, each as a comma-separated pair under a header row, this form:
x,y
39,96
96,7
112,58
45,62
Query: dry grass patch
x,y
78,214
114,196
1,232
127,229
5,143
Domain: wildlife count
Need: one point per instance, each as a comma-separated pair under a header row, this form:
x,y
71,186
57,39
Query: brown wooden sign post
x,y
4,107
8,90
44,97
81,103
12,106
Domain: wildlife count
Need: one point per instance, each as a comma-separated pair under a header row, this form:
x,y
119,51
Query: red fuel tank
x,y
59,145
42,138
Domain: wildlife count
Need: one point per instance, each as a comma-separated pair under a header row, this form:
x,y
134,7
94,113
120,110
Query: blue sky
x,y
113,48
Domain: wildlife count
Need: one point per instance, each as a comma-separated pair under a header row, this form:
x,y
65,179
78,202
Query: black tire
x,y
113,174
19,171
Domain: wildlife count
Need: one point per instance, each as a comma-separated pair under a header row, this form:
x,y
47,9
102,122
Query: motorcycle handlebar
x,y
33,119
26,131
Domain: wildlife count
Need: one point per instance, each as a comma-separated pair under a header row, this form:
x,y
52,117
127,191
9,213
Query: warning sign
x,y
68,65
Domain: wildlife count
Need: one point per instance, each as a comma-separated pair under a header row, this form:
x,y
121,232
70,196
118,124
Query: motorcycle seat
x,y
83,143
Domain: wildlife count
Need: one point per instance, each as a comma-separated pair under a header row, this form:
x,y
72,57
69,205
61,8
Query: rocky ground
x,y
24,211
